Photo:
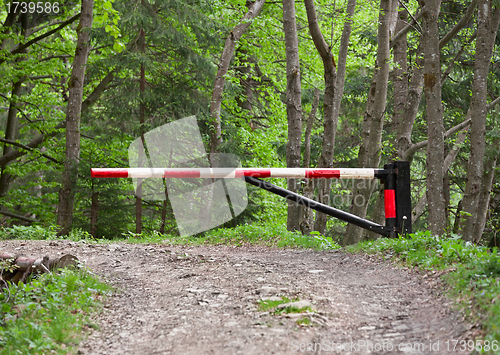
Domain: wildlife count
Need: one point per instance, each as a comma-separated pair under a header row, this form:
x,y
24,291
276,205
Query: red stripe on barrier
x,y
323,173
109,173
390,203
182,174
257,173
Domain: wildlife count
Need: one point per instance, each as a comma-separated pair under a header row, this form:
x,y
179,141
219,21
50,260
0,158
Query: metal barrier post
x,y
403,197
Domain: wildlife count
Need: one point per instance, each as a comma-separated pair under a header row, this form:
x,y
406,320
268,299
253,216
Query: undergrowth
x,y
472,272
48,314
270,235
41,233
266,234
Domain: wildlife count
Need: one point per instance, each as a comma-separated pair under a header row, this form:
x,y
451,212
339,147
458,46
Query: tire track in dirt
x,y
203,300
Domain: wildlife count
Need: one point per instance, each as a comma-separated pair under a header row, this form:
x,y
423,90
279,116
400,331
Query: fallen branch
x,y
17,268
17,216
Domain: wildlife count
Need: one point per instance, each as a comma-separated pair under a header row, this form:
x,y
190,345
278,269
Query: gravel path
x,y
203,300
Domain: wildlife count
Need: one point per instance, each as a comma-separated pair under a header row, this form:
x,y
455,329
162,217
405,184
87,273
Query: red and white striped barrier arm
x,y
347,173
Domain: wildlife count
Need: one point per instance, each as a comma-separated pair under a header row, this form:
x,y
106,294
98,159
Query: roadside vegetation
x,y
470,272
269,235
50,313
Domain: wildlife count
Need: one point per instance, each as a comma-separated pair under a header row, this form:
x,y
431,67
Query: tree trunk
x,y
142,111
245,78
10,134
12,121
400,71
94,208
70,175
400,88
446,195
484,200
456,223
434,113
419,208
487,25
369,154
415,90
334,89
293,106
226,56
307,214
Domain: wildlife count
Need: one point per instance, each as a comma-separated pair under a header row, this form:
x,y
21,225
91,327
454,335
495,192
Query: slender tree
x,y
293,105
434,115
225,59
11,129
487,26
334,89
142,110
73,114
371,138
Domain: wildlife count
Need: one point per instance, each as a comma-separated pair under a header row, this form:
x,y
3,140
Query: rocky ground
x,y
203,300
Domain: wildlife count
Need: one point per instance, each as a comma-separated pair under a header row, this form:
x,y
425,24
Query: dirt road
x,y
203,300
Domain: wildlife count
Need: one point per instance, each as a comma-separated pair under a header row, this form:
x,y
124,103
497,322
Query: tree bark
x,y
142,110
12,121
309,126
400,72
307,214
370,150
226,56
11,135
487,26
73,114
405,127
415,91
334,88
293,106
94,208
434,113
400,88
484,200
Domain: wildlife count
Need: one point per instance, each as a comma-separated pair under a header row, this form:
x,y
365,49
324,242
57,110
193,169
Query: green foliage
x,y
472,271
28,233
43,233
49,313
268,234
268,305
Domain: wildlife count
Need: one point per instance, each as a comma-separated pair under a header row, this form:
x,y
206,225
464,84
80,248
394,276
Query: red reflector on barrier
x,y
323,173
257,173
390,203
109,173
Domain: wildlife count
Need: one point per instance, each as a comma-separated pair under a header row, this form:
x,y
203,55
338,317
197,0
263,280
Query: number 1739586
x,y
32,7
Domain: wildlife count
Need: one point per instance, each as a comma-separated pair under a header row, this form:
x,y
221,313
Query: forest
x,y
338,83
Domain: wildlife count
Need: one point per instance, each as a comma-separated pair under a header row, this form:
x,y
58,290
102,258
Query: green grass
x,y
40,233
472,272
304,322
269,235
266,305
264,234
49,314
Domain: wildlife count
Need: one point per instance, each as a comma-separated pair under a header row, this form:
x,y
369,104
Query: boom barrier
x,y
395,177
